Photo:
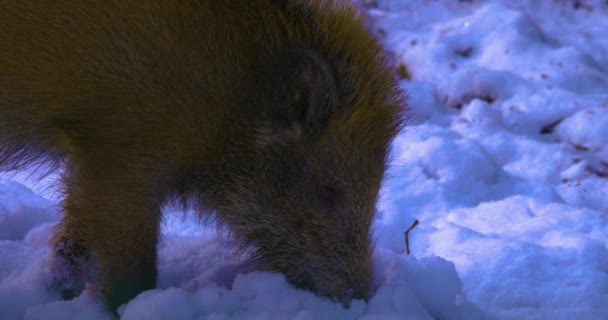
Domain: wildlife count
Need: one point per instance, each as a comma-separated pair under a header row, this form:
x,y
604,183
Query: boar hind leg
x,y
117,218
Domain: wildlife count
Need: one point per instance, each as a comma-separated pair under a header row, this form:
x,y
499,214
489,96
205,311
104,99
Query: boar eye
x,y
331,195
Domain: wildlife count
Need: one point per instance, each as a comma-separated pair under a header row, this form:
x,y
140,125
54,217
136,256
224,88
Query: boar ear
x,y
303,97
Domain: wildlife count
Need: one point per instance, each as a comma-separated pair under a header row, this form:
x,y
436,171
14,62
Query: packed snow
x,y
504,164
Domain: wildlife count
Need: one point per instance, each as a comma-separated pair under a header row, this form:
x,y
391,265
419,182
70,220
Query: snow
x,y
504,163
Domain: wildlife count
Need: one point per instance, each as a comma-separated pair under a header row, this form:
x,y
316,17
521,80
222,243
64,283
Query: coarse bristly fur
x,y
275,116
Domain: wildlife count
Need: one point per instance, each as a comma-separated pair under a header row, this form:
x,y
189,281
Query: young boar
x,y
273,116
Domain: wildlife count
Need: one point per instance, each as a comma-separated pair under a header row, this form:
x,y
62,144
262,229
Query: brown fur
x,y
274,115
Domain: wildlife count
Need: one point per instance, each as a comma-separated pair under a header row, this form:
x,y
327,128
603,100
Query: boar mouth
x,y
311,281
305,282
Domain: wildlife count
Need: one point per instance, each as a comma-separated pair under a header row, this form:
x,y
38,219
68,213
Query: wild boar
x,y
275,117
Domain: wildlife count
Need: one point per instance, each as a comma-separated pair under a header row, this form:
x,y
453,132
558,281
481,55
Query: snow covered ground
x,y
505,165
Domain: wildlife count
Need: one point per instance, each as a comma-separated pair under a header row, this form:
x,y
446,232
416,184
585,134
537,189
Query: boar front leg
x,y
70,261
116,216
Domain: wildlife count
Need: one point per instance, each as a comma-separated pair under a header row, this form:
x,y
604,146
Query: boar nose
x,y
359,292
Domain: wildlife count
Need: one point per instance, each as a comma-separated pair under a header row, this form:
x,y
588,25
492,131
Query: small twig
x,y
407,237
